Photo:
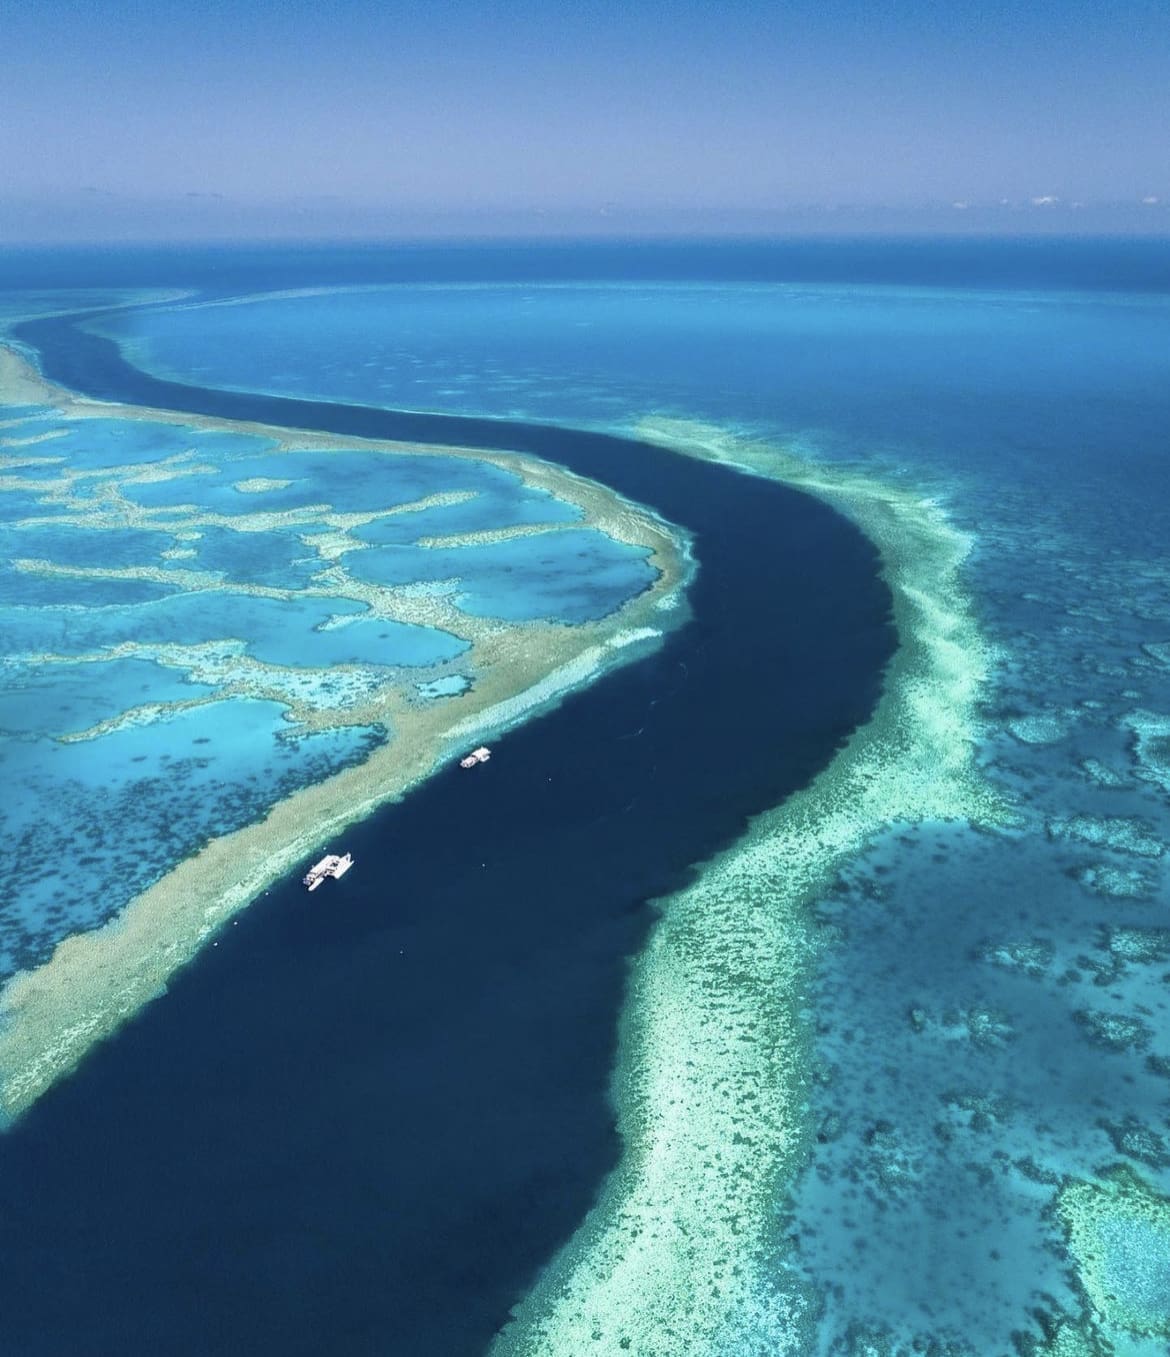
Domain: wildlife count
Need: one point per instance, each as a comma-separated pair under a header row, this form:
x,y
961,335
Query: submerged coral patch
x,y
1121,883
1040,727
1115,1031
1033,958
1146,946
1124,834
1151,747
1131,1136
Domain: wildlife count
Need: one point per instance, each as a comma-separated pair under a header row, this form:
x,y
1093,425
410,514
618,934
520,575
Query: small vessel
x,y
480,755
330,865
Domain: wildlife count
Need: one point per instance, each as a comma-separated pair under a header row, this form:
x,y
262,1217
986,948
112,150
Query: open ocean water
x,y
387,1114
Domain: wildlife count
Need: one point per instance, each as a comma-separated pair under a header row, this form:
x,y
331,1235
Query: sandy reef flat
x,y
52,1014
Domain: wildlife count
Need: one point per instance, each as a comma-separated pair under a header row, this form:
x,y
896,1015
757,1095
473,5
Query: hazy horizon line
x,y
554,238
96,217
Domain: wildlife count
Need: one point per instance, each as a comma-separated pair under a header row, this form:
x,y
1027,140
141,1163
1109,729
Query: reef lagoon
x,y
891,1066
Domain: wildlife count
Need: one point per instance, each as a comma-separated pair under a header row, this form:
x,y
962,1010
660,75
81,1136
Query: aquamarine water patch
x,y
275,630
572,575
213,489
79,545
351,482
16,504
15,413
105,817
91,444
32,471
62,699
450,685
277,559
490,510
183,619
16,431
357,481
359,640
27,590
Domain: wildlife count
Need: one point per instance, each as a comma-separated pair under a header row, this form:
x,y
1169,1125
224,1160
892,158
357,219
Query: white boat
x,y
480,755
330,865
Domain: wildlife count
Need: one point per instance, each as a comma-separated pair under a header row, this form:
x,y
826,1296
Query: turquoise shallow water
x,y
69,698
575,575
991,1011
274,631
102,443
52,542
19,588
494,507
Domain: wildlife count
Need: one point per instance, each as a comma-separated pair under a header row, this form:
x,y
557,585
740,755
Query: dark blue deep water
x,y
362,1121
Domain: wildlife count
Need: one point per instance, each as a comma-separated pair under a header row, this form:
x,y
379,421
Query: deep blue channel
x,y
361,1123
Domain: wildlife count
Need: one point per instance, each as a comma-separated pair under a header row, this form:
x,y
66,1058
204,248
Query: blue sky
x,y
262,115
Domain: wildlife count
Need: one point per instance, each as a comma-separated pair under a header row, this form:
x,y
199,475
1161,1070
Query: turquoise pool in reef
x,y
989,1031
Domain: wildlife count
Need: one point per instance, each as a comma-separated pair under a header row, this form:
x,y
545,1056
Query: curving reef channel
x,y
363,1126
